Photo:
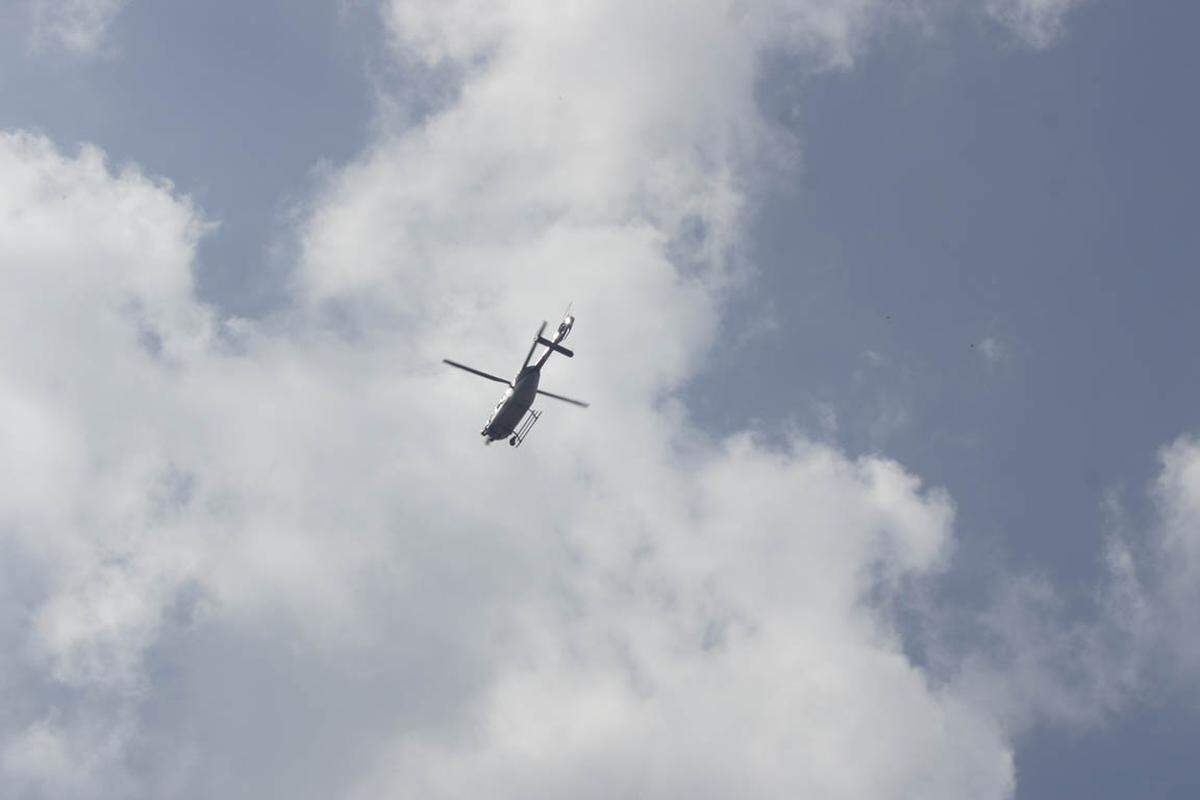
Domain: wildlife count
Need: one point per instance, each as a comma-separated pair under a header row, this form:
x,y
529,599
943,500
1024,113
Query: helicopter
x,y
513,417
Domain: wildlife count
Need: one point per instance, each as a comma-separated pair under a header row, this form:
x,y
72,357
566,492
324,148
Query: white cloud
x,y
1176,553
728,650
76,25
1178,492
273,558
1039,23
185,501
995,351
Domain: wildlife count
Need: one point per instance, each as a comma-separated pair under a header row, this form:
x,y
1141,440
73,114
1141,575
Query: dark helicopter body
x,y
513,416
513,407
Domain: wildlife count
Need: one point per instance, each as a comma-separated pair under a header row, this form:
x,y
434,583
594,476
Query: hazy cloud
x,y
1037,22
1175,570
1038,662
77,25
995,351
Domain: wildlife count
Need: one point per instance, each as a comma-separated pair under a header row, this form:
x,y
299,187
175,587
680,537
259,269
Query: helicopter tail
x,y
555,346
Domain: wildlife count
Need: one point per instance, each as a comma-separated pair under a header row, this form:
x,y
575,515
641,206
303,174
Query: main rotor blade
x,y
533,346
480,373
579,403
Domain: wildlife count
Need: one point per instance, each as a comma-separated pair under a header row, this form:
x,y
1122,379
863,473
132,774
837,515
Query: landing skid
x,y
526,426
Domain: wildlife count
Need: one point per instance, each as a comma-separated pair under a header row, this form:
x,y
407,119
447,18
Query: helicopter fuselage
x,y
513,406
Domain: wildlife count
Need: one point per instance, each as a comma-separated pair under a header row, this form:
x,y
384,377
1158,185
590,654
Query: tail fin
x,y
558,348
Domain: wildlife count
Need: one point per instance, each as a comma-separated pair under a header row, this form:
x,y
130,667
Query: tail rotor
x,y
567,323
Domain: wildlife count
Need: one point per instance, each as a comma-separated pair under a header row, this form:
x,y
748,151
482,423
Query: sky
x,y
890,486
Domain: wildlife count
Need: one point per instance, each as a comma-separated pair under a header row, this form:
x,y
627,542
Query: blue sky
x,y
1037,199
967,191
837,253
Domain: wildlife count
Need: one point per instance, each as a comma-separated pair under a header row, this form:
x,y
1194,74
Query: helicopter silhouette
x,y
514,416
